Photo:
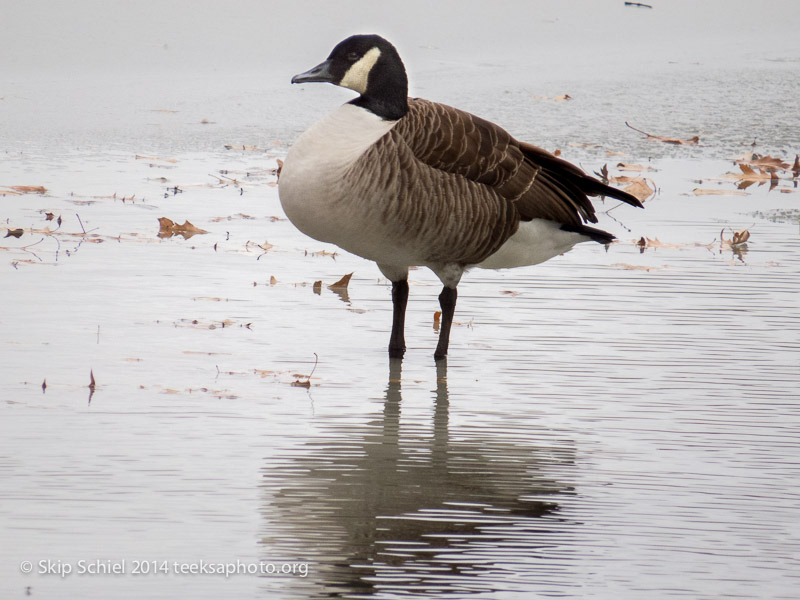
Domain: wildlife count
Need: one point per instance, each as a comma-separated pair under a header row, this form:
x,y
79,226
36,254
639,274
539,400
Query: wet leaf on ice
x,y
628,267
646,242
340,288
244,148
299,382
762,162
633,167
342,283
317,287
707,192
739,237
749,176
796,165
168,228
667,140
561,98
639,188
92,385
18,190
17,233
603,174
155,158
324,253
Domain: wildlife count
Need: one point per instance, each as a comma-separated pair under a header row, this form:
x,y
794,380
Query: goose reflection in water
x,y
383,509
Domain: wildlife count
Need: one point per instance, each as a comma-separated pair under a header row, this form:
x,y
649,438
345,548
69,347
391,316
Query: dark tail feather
x,y
597,235
586,183
594,187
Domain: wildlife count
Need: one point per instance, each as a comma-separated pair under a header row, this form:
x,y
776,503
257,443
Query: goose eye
x,y
353,56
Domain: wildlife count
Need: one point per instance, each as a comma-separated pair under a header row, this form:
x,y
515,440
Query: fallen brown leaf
x,y
622,178
245,148
667,140
656,243
763,162
323,253
92,385
18,190
739,237
707,192
342,283
168,228
317,287
155,158
437,320
561,98
633,167
632,267
17,233
307,383
749,176
640,189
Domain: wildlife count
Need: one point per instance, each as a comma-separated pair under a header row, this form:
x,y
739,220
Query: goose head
x,y
370,66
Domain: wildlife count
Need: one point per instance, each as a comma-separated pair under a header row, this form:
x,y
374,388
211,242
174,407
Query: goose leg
x,y
447,300
397,342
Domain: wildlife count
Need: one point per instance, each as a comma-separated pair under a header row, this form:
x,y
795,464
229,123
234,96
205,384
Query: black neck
x,y
386,110
387,89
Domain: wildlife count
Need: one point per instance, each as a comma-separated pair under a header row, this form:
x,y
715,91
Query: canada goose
x,y
410,182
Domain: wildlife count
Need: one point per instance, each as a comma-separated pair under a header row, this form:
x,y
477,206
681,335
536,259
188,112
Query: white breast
x,y
311,187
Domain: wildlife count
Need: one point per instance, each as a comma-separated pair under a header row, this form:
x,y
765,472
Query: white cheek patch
x,y
357,75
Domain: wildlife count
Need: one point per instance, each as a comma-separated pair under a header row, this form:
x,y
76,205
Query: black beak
x,y
321,73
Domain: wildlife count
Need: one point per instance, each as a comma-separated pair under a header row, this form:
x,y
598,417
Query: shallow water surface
x,y
618,422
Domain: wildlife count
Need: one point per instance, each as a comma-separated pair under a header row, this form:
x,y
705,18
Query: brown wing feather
x,y
497,169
